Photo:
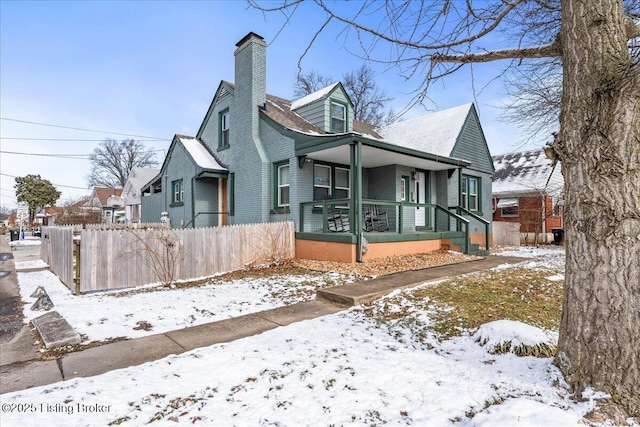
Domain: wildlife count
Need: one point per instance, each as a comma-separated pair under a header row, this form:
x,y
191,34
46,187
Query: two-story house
x,y
354,192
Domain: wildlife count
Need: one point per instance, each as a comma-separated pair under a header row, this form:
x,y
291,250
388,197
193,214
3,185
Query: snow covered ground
x,y
104,315
343,369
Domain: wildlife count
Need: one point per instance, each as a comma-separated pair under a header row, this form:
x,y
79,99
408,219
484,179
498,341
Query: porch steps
x,y
457,244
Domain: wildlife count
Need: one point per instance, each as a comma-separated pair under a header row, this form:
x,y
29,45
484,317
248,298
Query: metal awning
x,y
507,203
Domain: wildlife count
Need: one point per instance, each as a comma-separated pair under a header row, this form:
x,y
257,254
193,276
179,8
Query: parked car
x,y
37,232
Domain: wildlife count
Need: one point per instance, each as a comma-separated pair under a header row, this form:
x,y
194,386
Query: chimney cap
x,y
247,37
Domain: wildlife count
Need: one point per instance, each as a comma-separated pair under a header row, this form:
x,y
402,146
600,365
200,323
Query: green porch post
x,y
358,199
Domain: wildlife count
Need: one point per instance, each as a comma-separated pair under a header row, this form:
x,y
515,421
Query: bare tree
x,y
160,249
112,161
369,100
597,43
311,82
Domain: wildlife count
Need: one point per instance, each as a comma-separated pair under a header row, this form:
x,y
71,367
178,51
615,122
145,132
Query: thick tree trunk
x,y
599,146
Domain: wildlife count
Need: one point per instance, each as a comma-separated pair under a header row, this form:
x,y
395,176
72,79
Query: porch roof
x,y
375,152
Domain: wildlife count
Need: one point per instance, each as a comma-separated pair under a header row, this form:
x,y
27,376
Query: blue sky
x,y
150,69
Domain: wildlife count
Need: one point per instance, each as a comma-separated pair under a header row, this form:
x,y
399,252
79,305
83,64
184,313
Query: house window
x,y
338,117
470,188
508,207
342,189
404,188
282,185
321,182
331,182
224,129
177,192
509,211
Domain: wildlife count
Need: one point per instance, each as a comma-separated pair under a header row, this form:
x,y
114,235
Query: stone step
x,y
55,331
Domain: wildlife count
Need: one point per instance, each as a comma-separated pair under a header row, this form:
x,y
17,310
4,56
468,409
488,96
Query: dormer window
x,y
338,117
224,129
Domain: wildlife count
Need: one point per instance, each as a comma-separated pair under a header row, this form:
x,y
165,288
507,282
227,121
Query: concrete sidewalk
x,y
101,359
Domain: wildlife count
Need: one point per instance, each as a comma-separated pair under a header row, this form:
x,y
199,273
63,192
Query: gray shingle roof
x,y
435,133
525,172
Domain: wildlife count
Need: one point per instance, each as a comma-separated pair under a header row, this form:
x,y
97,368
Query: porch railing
x,y
460,210
432,211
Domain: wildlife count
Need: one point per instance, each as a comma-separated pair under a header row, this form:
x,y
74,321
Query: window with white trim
x,y
338,117
283,185
224,129
177,191
404,185
470,188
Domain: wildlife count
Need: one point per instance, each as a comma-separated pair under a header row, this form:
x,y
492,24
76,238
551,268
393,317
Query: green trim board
x,y
327,237
312,144
384,237
212,174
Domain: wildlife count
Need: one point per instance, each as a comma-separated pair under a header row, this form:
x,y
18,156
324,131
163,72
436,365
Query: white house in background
x,y
138,177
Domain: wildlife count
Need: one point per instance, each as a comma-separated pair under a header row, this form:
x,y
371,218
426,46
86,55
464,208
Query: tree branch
x,y
632,29
509,6
521,53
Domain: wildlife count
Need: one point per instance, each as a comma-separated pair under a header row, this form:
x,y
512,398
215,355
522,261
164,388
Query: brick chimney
x,y
251,74
249,95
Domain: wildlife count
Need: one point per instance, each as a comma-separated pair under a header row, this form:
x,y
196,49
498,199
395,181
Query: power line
x,y
82,129
63,156
77,140
57,185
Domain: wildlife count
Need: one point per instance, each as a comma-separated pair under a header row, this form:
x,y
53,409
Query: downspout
x,y
193,203
459,187
544,217
165,189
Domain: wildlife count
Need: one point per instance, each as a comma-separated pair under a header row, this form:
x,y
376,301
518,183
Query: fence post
x,y
76,270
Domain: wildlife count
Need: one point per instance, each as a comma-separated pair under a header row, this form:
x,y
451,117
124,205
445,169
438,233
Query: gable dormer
x,y
329,108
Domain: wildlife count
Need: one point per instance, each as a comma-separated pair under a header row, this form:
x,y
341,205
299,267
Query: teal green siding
x,y
472,146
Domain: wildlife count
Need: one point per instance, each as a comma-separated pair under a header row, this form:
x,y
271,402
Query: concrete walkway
x,y
101,359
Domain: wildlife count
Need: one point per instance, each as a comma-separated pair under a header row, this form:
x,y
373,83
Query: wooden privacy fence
x,y
121,258
57,251
506,233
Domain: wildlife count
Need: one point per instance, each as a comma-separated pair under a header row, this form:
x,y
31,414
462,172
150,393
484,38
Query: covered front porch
x,y
398,203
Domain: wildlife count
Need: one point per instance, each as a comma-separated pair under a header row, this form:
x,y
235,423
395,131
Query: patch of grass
x,y
515,293
465,303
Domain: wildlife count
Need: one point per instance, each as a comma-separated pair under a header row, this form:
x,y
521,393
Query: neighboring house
x,y
138,177
47,216
528,188
260,158
108,201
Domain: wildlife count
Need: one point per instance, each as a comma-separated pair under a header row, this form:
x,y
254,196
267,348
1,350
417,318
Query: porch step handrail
x,y
478,218
460,220
203,213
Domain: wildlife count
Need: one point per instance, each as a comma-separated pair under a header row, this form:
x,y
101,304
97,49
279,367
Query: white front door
x,y
420,197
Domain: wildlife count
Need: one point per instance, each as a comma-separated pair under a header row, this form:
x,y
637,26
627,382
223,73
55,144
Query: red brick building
x,y
527,188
